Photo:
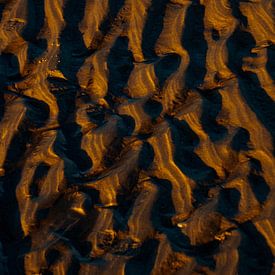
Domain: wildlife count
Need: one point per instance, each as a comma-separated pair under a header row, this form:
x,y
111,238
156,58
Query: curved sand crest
x,y
137,137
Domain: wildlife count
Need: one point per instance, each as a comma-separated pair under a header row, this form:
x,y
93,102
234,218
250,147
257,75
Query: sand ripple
x,y
137,137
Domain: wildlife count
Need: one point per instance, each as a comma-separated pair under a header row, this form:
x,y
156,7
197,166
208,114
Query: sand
x,y
137,137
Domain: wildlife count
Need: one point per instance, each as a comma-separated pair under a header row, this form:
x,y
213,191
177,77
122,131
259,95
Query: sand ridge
x,y
137,137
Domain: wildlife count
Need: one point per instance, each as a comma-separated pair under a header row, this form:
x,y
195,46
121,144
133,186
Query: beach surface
x,y
137,137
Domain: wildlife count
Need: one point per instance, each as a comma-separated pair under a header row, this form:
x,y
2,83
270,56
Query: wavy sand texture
x,y
137,137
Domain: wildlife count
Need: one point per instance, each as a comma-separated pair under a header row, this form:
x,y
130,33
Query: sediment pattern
x,y
137,137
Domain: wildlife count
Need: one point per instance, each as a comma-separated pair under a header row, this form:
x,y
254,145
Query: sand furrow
x,y
137,137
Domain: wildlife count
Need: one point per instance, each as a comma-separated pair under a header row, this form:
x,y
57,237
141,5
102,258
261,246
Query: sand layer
x,y
137,137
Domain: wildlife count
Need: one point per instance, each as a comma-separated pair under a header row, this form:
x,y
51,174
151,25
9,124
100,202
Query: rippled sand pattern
x,y
137,137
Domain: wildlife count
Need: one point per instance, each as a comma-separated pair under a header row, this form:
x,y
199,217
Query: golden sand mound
x,y
137,137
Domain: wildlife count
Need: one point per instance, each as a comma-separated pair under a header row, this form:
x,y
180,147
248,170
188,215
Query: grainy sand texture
x,y
137,137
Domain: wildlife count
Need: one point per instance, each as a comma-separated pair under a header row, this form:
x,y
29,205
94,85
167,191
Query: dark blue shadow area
x,y
235,6
2,105
255,256
194,42
15,245
163,208
259,101
72,55
35,19
2,7
143,262
165,67
72,48
161,217
38,112
270,65
152,108
35,22
239,46
228,203
106,24
257,182
185,141
120,64
40,174
211,107
146,156
9,69
153,27
240,141
114,8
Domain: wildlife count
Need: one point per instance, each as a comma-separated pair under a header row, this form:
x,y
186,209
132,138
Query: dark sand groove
x,y
137,137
